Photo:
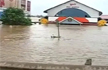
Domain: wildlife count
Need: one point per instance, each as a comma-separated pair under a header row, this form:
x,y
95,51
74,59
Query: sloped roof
x,y
61,18
79,19
75,1
71,18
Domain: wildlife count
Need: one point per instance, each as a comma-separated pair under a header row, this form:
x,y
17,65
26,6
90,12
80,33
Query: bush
x,y
26,21
15,16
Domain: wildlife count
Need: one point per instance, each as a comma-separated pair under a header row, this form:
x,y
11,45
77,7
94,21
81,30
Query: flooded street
x,y
34,44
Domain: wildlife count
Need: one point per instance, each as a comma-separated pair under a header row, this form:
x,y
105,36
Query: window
x,y
73,12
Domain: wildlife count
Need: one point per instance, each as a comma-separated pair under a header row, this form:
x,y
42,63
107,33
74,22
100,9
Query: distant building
x,y
22,4
105,17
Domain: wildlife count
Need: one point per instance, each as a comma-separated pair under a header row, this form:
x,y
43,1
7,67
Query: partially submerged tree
x,y
15,16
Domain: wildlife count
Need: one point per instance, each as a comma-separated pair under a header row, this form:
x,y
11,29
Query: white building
x,y
73,8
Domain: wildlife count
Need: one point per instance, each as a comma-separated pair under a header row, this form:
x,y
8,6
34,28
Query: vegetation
x,y
15,16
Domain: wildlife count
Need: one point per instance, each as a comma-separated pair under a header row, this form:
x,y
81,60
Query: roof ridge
x,y
86,5
75,1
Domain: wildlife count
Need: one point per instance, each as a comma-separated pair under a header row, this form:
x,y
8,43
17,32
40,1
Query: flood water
x,y
34,44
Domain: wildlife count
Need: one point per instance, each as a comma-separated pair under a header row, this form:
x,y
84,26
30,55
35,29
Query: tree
x,y
15,16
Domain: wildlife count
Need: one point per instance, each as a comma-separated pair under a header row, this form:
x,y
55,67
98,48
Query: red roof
x,y
61,18
80,19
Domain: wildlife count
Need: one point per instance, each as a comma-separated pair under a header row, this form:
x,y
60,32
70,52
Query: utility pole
x,y
58,25
58,30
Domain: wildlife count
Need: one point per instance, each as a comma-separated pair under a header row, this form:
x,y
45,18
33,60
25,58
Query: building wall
x,y
16,4
91,12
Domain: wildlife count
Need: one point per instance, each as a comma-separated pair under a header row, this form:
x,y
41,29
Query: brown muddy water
x,y
34,44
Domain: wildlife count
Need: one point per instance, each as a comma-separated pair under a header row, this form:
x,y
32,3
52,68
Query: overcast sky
x,y
38,6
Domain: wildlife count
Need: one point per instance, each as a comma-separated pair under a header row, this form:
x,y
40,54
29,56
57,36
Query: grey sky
x,y
38,6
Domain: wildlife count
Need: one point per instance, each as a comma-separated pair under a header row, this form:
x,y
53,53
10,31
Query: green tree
x,y
15,16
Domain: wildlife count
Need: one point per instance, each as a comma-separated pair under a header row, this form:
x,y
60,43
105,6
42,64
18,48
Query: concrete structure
x,y
39,66
73,8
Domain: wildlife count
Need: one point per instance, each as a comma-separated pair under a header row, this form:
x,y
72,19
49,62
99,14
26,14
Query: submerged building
x,y
73,12
73,8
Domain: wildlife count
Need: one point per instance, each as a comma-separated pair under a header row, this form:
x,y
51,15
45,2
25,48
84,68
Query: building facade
x,y
11,3
73,8
22,4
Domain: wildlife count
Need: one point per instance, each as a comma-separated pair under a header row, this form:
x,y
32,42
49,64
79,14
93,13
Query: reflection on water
x,y
34,44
